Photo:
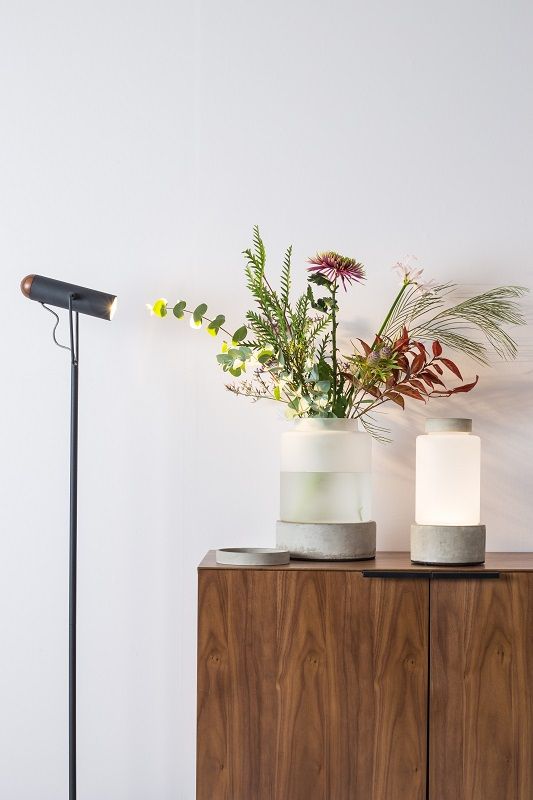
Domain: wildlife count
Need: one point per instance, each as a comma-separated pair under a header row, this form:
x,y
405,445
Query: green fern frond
x,y
272,306
471,348
298,316
259,248
414,305
487,313
317,328
252,262
321,349
378,432
285,281
262,329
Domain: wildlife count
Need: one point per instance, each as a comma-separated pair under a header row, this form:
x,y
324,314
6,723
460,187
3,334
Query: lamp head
x,y
25,285
60,294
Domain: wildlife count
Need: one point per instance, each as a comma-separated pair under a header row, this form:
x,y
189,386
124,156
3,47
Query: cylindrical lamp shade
x,y
59,294
448,474
325,472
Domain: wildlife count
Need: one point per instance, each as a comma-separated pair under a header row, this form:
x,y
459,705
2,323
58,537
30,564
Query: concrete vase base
x,y
448,545
327,541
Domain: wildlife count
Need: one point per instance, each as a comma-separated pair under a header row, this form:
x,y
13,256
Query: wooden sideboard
x,y
369,680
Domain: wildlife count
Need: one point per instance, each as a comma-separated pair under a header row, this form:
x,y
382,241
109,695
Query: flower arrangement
x,y
287,351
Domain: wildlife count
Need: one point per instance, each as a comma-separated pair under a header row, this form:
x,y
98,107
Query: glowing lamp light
x,y
447,507
448,474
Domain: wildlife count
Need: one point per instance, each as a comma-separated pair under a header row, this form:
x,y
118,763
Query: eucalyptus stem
x,y
225,330
392,308
190,313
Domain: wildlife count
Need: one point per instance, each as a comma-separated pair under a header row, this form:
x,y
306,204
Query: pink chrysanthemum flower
x,y
336,267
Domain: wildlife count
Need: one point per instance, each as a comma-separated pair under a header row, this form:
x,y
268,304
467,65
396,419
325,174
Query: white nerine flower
x,y
410,273
406,269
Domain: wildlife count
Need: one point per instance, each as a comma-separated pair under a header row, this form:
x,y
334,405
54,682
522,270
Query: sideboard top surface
x,y
390,561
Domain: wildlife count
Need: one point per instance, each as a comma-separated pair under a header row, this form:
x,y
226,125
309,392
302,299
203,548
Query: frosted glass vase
x,y
325,472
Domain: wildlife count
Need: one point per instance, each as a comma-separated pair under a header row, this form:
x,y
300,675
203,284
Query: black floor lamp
x,y
77,300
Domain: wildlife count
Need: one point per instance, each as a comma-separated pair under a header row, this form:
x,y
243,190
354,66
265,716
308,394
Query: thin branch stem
x,y
231,388
393,307
334,340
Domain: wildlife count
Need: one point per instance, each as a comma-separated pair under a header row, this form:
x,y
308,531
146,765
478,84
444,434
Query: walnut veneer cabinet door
x,y
312,685
481,689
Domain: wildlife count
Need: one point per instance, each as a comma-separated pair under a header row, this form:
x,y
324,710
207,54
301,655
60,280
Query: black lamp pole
x,y
73,547
97,304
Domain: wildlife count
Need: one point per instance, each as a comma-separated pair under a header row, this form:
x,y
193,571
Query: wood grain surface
x,y
312,685
481,691
505,562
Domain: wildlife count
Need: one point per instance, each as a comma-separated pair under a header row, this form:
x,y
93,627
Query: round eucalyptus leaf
x,y
240,334
179,308
159,308
215,324
199,312
264,356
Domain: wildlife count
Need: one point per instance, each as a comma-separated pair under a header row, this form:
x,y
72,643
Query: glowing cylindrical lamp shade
x,y
448,474
447,529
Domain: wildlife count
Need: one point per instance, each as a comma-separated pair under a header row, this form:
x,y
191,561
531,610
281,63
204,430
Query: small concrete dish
x,y
252,556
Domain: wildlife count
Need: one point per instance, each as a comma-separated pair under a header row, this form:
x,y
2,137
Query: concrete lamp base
x,y
327,541
448,545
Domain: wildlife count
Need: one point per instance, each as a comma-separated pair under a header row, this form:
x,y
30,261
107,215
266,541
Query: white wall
x,y
140,141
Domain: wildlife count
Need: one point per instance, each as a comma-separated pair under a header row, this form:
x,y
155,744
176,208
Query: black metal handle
x,y
465,576
484,575
398,574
